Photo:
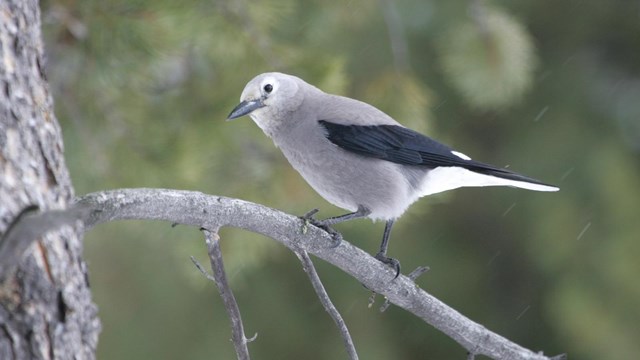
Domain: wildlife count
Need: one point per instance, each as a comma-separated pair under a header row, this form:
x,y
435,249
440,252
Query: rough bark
x,y
46,310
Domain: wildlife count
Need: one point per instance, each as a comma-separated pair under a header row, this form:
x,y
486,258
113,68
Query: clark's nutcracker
x,y
359,158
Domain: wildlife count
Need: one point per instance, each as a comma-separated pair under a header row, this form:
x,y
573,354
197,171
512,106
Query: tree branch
x,y
240,341
27,227
207,211
308,267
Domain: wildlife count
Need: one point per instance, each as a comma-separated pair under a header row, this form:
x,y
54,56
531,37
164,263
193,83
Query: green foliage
x,y
402,96
490,61
143,87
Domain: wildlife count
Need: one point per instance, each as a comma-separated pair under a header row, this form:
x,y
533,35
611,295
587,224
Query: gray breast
x,y
345,179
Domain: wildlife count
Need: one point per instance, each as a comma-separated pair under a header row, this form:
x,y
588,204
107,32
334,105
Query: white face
x,y
279,95
262,87
269,88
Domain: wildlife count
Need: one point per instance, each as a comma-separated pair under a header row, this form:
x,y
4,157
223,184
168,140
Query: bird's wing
x,y
407,147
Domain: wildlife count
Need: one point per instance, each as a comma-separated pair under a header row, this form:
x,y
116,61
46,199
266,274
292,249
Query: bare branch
x,y
201,269
308,267
207,211
412,275
211,278
29,225
240,341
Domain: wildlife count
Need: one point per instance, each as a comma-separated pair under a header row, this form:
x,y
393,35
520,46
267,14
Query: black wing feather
x,y
407,147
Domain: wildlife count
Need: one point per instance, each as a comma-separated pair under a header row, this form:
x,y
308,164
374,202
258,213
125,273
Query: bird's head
x,y
268,98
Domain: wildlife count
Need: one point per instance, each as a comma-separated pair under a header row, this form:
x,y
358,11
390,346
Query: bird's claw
x,y
395,264
337,237
309,219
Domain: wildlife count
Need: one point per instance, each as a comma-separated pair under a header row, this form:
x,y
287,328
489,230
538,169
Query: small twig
x,y
201,269
417,272
211,278
412,275
240,341
559,357
308,267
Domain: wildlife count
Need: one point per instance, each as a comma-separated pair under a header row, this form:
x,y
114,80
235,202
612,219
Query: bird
x,y
357,157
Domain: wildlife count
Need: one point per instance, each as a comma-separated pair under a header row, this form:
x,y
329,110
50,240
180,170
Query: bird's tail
x,y
517,180
445,178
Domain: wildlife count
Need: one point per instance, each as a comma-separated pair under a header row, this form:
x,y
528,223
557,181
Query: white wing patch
x,y
452,177
460,155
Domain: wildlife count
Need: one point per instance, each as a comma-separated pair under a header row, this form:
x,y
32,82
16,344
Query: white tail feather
x,y
448,178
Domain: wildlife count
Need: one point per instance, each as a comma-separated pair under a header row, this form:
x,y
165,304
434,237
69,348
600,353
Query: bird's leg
x,y
326,223
382,254
360,213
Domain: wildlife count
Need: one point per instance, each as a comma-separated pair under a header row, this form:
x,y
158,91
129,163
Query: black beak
x,y
244,108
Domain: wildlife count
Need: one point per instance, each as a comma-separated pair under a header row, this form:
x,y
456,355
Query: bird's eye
x,y
268,88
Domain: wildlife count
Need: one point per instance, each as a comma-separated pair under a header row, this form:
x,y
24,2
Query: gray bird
x,y
357,157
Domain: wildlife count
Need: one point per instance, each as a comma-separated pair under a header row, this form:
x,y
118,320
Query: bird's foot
x,y
389,261
309,219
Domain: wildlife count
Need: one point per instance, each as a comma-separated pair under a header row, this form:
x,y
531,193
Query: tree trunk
x,y
46,310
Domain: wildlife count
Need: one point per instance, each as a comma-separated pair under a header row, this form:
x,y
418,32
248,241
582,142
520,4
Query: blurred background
x,y
549,89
